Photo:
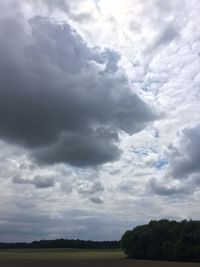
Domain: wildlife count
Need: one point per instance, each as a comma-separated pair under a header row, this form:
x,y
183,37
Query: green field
x,y
60,254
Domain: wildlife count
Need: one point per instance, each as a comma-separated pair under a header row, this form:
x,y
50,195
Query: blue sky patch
x,y
160,164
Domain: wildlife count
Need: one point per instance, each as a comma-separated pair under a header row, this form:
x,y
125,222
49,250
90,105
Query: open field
x,y
76,258
60,254
92,263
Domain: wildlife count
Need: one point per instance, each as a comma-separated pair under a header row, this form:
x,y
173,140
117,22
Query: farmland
x,y
60,254
76,258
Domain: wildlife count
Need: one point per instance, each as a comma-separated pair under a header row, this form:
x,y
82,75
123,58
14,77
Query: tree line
x,y
163,240
63,243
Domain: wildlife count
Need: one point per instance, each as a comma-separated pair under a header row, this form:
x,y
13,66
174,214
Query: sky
x,y
99,116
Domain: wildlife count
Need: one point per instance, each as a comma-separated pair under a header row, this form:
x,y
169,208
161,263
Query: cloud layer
x,y
78,80
59,98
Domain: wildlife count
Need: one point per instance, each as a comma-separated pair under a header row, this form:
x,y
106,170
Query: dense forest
x,y
164,240
63,243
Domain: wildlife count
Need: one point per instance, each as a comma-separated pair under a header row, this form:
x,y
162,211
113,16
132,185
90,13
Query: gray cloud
x,y
184,157
163,6
38,181
88,188
81,149
62,5
166,35
25,225
196,181
56,101
81,17
96,200
163,189
67,187
129,187
67,6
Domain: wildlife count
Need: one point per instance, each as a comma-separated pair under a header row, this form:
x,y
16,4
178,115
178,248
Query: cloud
x,y
67,187
165,36
76,10
184,157
162,188
182,173
96,200
38,181
62,5
130,188
81,17
168,34
81,149
25,225
60,99
88,189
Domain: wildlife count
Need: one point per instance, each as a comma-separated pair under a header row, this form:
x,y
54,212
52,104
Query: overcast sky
x,y
99,116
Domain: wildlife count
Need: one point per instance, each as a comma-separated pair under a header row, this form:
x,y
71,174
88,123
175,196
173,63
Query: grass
x,y
60,254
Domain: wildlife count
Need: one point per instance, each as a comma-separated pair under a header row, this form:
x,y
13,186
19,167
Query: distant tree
x,y
126,243
164,239
168,250
179,250
64,243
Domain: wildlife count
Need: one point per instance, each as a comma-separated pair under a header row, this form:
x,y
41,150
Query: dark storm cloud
x,y
60,99
38,181
185,157
81,149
